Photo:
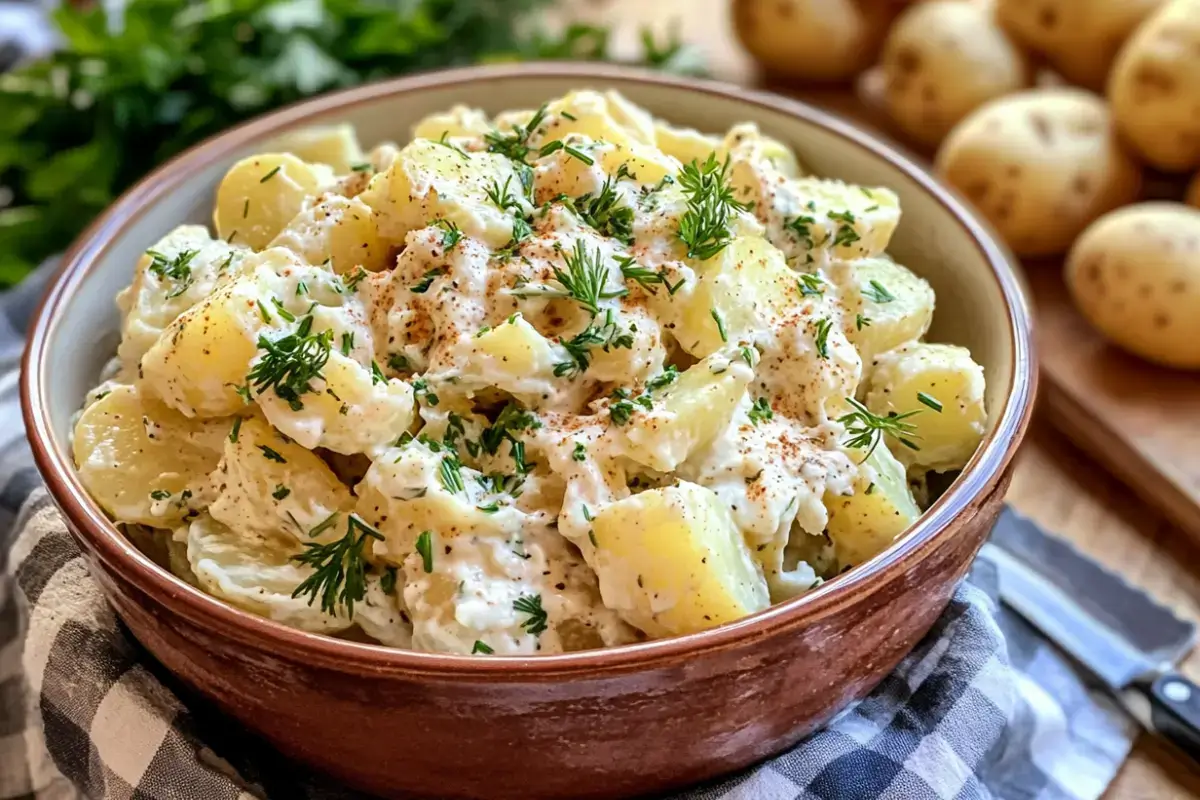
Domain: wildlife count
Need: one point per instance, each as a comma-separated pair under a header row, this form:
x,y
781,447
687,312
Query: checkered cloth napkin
x,y
982,708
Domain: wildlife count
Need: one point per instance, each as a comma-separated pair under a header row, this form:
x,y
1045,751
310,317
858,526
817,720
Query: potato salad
x,y
549,381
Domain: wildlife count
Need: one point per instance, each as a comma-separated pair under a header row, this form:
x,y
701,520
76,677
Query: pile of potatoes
x,y
1045,114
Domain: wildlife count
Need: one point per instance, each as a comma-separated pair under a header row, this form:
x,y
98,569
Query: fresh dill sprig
x,y
445,142
531,604
585,278
867,429
511,420
451,233
608,336
580,452
425,548
821,338
291,363
801,227
810,285
643,276
663,379
930,401
846,235
450,474
717,318
704,227
339,576
761,411
514,145
878,292
481,648
422,286
574,152
861,321
606,213
178,269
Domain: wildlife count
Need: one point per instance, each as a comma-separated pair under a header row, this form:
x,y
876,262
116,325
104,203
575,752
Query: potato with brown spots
x,y
1135,274
1080,38
813,40
942,60
1155,87
1040,165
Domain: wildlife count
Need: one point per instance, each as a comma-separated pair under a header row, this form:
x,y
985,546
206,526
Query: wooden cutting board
x,y
1140,421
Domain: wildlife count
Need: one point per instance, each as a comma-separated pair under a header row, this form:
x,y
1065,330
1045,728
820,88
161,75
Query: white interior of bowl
x,y
930,239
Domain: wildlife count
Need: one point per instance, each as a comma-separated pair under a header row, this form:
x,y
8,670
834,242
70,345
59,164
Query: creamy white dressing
x,y
486,529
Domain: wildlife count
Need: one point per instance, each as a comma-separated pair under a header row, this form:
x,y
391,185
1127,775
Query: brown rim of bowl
x,y
979,477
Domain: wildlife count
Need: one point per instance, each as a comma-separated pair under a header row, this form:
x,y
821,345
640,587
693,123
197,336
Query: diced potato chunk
x,y
688,413
179,271
351,410
685,144
338,231
747,285
256,573
597,116
201,359
143,462
261,194
335,145
458,121
267,484
880,509
513,357
429,180
832,219
672,561
757,163
643,163
887,305
921,377
406,492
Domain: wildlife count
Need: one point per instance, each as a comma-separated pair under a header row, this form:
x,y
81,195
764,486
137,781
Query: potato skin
x,y
1040,165
943,59
1080,38
813,40
1135,275
1154,88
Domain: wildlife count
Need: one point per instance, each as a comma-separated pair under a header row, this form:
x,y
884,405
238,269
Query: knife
x,y
1118,633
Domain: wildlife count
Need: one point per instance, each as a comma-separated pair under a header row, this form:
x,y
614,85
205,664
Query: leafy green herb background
x,y
124,94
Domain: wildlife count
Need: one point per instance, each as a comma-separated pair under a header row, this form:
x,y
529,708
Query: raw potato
x,y
1155,87
819,40
1135,274
1080,38
1040,165
942,60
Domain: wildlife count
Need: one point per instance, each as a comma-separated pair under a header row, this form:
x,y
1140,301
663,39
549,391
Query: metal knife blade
x,y
1111,627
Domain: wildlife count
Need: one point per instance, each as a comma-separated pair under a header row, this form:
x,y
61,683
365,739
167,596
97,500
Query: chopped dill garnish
x,y
704,228
291,363
339,568
531,604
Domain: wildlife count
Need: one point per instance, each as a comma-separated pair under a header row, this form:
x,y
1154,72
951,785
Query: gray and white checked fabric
x,y
983,708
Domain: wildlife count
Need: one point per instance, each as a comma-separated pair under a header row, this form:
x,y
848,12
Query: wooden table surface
x,y
1055,484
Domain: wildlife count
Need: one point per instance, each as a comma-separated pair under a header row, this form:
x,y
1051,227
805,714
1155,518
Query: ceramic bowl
x,y
630,720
